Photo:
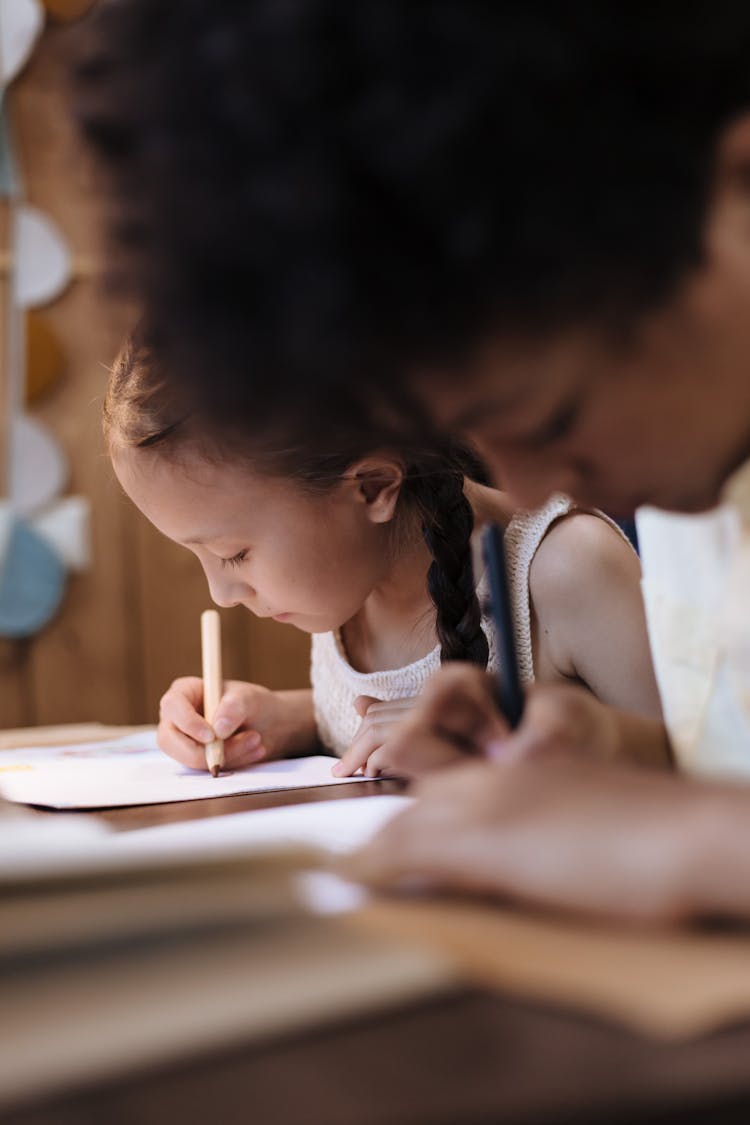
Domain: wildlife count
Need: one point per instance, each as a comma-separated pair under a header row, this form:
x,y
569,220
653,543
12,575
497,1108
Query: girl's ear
x,y
379,482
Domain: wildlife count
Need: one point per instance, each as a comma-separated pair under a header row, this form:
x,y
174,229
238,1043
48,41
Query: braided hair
x,y
447,519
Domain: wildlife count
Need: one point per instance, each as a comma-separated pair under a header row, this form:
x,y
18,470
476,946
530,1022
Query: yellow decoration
x,y
44,357
67,9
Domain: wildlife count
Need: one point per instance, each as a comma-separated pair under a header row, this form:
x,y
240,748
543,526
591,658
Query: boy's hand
x,y
568,832
254,723
457,716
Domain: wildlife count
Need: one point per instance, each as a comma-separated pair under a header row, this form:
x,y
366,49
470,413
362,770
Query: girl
x,y
370,552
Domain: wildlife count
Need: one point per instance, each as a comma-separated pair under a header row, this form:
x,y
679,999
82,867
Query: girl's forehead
x,y
177,469
197,500
181,505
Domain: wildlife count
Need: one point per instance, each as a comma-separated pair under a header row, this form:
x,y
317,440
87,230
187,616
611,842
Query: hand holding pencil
x,y
251,722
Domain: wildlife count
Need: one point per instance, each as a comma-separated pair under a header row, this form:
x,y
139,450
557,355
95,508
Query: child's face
x,y
665,423
663,418
264,543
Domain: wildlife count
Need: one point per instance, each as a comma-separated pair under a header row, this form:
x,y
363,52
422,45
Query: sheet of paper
x,y
133,771
34,846
338,827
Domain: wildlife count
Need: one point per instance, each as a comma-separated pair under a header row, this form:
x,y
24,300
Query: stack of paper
x,y
64,884
120,951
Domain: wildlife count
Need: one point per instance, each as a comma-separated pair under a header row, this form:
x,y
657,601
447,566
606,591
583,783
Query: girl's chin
x,y
303,623
306,623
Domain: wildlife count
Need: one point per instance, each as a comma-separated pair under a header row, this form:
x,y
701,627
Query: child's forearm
x,y
300,732
644,741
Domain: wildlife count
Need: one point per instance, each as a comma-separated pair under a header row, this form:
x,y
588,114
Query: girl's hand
x,y
254,723
455,717
379,750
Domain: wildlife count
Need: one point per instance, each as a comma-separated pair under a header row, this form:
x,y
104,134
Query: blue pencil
x,y
508,677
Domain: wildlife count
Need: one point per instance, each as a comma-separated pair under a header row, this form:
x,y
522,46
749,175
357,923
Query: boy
x,y
537,218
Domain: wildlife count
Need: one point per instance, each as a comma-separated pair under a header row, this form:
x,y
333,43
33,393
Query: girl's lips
x,y
281,616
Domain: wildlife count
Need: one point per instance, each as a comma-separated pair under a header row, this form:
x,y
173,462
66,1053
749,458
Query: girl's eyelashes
x,y
235,559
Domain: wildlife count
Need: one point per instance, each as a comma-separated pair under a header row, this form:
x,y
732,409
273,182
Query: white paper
x,y
32,846
337,827
133,771
325,893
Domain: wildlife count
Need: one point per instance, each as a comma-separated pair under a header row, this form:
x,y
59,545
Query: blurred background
x,y
126,616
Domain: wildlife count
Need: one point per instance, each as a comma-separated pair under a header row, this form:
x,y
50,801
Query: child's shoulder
x,y
582,553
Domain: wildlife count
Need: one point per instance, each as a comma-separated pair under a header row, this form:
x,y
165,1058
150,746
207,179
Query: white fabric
x,y
37,470
696,587
336,684
43,263
66,527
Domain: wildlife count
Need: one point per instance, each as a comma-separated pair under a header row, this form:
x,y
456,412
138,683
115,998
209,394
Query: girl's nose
x,y
226,591
223,601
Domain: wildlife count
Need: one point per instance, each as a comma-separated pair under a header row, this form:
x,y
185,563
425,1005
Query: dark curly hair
x,y
143,409
316,194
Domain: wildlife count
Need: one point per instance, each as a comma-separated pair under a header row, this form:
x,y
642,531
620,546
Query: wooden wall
x,y
129,625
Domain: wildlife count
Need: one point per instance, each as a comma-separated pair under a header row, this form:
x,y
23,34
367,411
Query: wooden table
x,y
143,816
469,1061
463,1060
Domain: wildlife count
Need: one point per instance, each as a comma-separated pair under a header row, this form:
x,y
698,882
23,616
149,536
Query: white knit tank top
x,y
336,684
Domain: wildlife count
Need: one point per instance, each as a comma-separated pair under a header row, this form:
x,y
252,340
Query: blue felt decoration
x,y
32,582
9,180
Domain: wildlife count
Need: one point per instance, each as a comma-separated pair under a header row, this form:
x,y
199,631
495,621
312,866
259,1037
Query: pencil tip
x,y
215,771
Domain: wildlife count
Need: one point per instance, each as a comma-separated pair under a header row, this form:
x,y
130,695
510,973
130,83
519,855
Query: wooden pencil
x,y
212,684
